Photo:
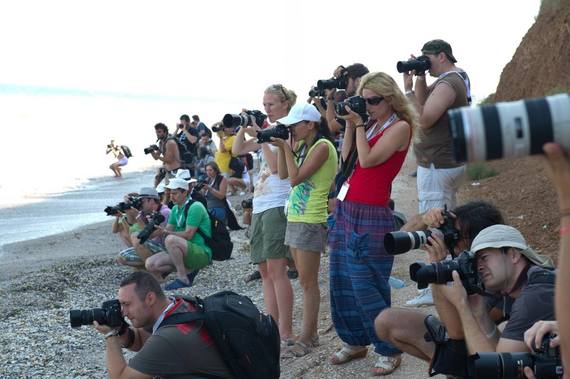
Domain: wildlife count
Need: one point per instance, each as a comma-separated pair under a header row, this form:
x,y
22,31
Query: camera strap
x,y
371,133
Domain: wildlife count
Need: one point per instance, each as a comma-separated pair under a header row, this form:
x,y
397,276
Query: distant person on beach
x,y
186,248
137,255
167,152
179,350
122,160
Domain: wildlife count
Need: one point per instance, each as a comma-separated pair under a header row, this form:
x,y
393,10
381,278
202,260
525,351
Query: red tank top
x,y
373,185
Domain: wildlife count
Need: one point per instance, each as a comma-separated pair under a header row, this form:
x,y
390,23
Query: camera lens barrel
x,y
401,242
501,365
509,129
78,318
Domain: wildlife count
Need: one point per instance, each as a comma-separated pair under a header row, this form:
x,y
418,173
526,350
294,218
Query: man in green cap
x,y
439,176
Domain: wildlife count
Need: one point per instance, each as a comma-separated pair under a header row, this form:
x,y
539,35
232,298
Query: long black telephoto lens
x,y
233,120
327,84
402,242
501,365
420,65
78,318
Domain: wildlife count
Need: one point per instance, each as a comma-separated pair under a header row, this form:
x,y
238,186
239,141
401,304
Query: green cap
x,y
437,46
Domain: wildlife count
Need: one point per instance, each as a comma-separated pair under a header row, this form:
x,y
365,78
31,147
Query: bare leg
x,y
405,329
308,263
133,264
277,271
143,252
159,264
176,247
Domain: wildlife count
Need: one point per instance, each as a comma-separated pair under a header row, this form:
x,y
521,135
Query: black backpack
x,y
248,341
220,242
126,151
186,149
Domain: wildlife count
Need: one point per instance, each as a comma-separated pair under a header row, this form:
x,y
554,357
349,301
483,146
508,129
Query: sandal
x,y
386,365
299,349
256,275
175,285
348,353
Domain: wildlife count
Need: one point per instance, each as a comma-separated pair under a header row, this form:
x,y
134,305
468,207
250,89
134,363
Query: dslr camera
x,y
316,92
402,242
421,64
150,149
243,119
133,202
279,131
156,218
545,362
247,204
356,103
441,272
109,314
338,83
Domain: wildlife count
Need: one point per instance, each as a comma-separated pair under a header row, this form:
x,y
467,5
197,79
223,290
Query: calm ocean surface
x,y
53,152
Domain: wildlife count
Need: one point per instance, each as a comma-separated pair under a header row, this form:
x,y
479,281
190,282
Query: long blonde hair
x,y
285,95
384,85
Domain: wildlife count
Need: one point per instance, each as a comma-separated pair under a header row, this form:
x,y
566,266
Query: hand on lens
x,y
528,373
436,249
277,142
352,116
533,337
455,293
103,329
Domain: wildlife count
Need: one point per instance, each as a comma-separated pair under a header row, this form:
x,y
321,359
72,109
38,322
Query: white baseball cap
x,y
177,183
301,112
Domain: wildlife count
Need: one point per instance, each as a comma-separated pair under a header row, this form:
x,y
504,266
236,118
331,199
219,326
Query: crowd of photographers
x,y
323,182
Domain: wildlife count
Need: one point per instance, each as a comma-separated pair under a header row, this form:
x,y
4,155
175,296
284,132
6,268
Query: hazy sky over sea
x,y
231,50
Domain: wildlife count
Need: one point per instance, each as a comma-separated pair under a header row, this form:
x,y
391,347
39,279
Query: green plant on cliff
x,y
557,90
478,171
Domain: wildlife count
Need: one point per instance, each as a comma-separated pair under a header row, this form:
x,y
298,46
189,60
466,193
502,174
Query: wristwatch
x,y
112,333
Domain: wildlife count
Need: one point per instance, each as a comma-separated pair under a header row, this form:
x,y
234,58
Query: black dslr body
x,y
545,363
441,272
243,119
421,64
133,202
356,103
109,314
150,149
279,131
156,219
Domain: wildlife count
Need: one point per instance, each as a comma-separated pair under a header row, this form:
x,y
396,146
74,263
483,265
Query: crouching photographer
x,y
146,239
510,272
159,348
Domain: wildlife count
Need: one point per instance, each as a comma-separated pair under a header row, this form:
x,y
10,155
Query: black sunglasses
x,y
374,100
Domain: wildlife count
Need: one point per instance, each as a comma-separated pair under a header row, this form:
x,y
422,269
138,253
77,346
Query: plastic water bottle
x,y
396,283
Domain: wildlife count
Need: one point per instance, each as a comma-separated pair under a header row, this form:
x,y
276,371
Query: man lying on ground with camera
x,y
508,270
147,240
177,350
186,248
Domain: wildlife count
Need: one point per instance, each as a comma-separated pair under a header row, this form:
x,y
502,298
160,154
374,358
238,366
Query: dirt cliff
x,y
522,189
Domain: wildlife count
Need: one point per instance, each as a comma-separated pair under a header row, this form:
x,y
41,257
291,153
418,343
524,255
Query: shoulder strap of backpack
x,y
186,208
542,277
182,318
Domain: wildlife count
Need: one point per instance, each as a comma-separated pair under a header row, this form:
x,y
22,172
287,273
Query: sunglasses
x,y
374,100
279,87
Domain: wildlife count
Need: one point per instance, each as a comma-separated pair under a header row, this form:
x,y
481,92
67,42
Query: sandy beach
x,y
41,279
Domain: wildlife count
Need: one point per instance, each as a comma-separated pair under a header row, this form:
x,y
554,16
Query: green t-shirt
x,y
197,218
308,200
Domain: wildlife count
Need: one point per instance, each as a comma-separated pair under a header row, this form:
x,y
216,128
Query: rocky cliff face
x,y
522,190
541,64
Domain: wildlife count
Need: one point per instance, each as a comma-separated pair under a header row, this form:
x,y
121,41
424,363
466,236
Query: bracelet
x,y
564,230
410,92
564,213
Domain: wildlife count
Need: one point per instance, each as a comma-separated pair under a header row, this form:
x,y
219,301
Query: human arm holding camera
x,y
219,193
310,165
394,139
559,167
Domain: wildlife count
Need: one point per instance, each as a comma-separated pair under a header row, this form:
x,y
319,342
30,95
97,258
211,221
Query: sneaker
x,y
425,298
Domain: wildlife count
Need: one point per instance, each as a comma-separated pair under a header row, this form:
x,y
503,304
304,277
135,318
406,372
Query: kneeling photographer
x,y
185,245
146,238
168,351
508,270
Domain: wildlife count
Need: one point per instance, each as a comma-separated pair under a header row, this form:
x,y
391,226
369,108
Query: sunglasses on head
x,y
374,100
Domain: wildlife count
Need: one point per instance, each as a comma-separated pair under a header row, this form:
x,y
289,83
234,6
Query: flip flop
x,y
387,365
348,353
176,284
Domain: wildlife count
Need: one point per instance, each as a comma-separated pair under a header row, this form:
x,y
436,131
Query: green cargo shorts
x,y
268,235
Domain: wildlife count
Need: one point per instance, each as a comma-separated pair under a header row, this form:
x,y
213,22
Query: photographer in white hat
x,y
510,270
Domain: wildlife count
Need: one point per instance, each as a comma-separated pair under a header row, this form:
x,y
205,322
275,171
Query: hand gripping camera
x,y
109,314
156,219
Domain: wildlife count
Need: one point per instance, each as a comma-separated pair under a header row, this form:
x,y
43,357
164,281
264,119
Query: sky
x,y
230,51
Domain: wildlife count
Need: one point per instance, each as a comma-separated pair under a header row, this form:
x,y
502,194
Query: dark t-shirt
x,y
180,351
535,303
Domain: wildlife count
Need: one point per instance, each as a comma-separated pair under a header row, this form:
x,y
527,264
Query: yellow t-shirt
x,y
223,159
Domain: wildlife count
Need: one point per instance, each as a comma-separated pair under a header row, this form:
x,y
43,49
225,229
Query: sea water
x,y
53,150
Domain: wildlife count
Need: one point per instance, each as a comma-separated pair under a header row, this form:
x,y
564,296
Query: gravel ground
x,y
39,284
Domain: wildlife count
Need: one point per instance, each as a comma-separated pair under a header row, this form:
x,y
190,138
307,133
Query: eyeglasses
x,y
374,100
279,87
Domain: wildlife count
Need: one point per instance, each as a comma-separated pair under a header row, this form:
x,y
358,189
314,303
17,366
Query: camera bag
x,y
220,242
248,341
